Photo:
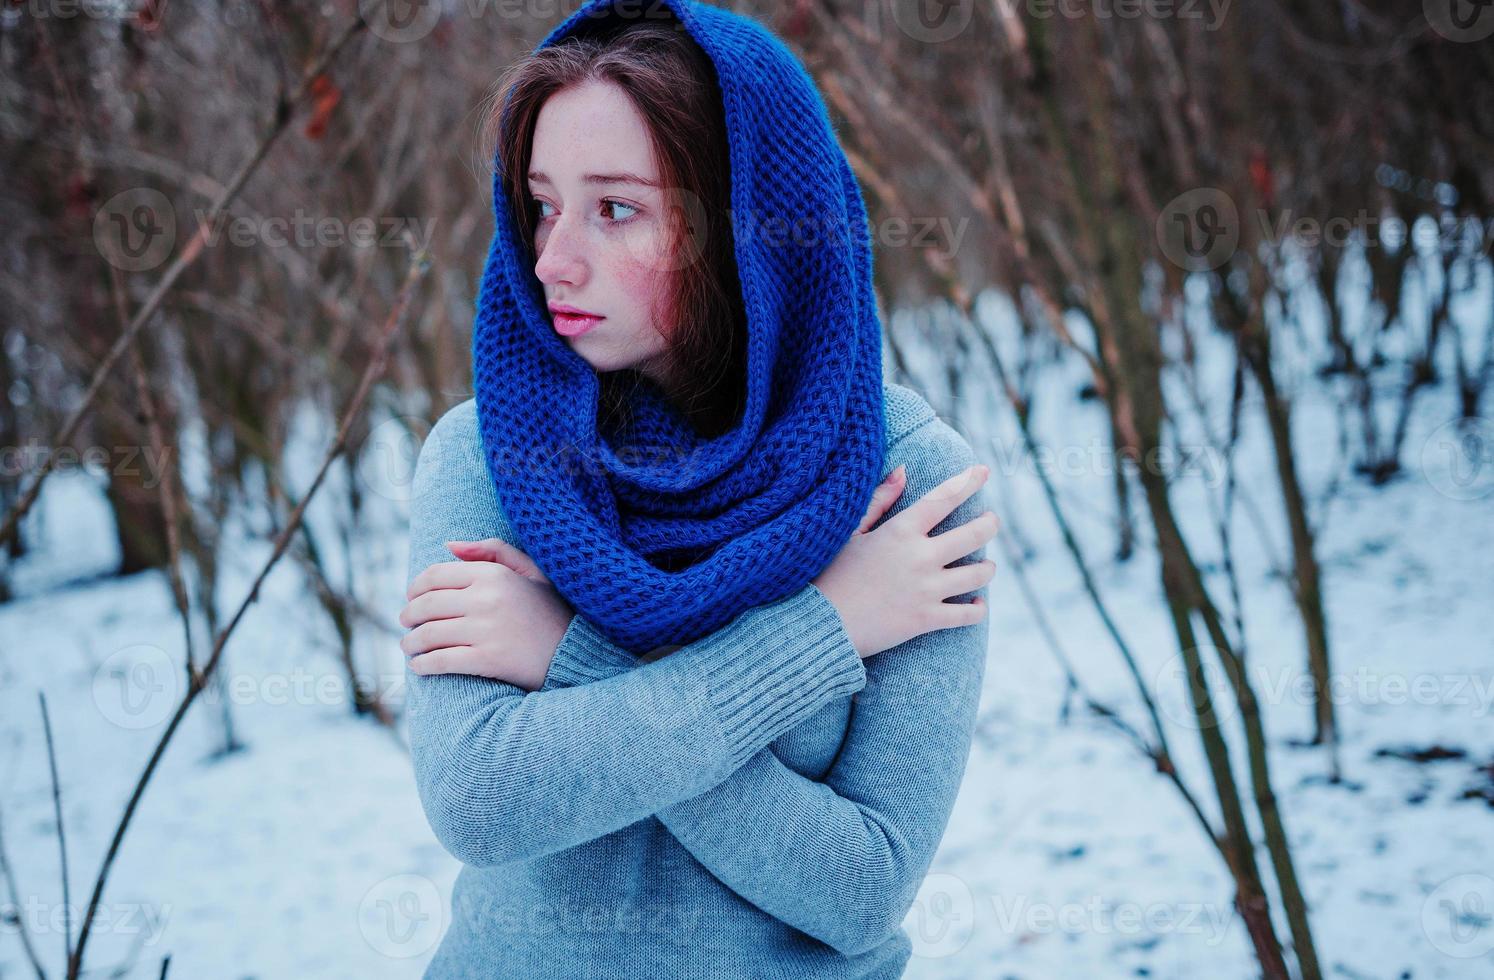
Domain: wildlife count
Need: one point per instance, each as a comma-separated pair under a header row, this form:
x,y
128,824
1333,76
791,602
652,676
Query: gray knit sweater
x,y
758,803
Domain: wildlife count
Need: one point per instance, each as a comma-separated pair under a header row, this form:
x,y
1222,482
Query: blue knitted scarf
x,y
763,508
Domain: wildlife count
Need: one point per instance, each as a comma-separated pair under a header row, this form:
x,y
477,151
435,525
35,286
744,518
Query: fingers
x,y
433,635
500,551
953,614
448,660
473,550
960,541
442,575
967,578
435,604
941,501
884,497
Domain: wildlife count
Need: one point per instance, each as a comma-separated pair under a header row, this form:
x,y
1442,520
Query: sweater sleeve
x,y
842,859
504,774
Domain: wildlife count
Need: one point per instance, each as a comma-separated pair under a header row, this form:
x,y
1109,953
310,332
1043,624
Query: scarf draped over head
x,y
760,510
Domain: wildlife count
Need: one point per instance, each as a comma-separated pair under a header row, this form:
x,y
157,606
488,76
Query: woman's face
x,y
600,232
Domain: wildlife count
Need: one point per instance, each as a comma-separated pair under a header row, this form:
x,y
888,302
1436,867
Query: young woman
x,y
690,701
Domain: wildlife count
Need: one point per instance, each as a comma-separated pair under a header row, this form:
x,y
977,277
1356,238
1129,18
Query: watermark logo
x,y
1460,20
1458,459
1458,916
386,463
135,230
400,21
1199,229
942,917
672,245
932,21
1175,700
402,916
138,687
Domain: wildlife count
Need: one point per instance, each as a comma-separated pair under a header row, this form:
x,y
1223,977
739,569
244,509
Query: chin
x,y
604,360
599,362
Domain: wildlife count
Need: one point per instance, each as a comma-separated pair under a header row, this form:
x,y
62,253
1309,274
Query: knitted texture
x,y
760,510
759,803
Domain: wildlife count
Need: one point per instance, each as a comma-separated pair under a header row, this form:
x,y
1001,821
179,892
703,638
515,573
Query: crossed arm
x,y
507,775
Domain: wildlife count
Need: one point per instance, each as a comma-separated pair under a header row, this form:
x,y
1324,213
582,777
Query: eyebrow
x,y
539,177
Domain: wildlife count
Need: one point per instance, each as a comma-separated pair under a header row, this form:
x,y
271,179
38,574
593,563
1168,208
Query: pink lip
x,y
571,321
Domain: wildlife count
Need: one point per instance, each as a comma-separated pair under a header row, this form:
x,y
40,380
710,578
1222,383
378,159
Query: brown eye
x,y
619,204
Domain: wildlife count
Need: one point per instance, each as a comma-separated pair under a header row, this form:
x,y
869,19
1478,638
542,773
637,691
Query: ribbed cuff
x,y
585,655
779,664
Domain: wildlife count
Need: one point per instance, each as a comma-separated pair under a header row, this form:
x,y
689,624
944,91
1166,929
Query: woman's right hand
x,y
889,585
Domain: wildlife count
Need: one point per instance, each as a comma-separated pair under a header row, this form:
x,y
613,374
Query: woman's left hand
x,y
492,614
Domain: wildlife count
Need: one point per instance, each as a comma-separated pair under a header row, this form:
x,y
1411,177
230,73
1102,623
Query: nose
x,y
562,257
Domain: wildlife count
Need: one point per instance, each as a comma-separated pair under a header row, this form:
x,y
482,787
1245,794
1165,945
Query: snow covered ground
x,y
306,853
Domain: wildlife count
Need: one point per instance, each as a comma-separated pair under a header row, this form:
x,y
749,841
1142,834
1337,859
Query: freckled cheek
x,y
634,276
645,286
